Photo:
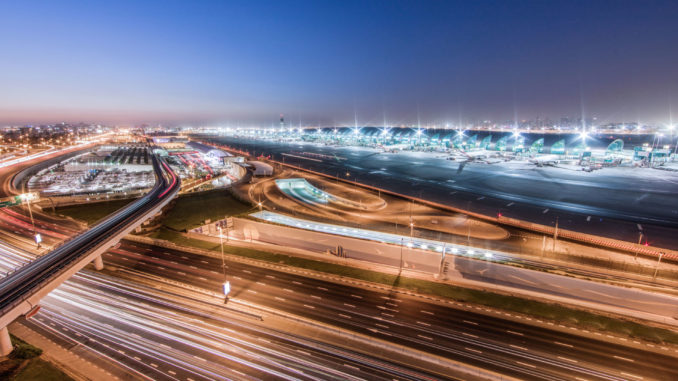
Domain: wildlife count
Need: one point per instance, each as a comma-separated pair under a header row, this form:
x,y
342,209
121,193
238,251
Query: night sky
x,y
325,62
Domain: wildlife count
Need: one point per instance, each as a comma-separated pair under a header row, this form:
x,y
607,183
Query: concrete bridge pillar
x,y
5,342
98,263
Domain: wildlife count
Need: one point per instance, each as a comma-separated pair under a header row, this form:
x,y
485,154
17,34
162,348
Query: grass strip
x,y
91,212
38,369
533,308
191,210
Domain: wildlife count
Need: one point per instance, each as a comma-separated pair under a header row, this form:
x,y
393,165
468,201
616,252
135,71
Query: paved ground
x,y
380,212
493,342
610,202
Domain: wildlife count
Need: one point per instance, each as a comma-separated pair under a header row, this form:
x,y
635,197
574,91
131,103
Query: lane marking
x,y
518,347
526,364
568,359
624,358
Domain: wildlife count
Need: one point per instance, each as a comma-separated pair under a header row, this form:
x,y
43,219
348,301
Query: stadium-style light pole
x,y
28,197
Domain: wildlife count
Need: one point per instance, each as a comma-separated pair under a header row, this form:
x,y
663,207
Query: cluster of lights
x,y
366,234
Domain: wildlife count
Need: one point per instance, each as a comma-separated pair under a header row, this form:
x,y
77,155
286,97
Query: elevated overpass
x,y
22,290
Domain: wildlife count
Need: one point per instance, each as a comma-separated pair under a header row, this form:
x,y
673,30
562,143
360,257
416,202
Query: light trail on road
x,y
160,335
478,339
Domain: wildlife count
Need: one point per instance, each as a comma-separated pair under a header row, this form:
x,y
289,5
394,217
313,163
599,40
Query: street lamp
x,y
657,267
27,197
221,241
400,269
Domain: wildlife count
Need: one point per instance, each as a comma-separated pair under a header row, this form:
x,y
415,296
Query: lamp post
x,y
555,237
442,261
400,268
657,267
28,197
221,241
640,239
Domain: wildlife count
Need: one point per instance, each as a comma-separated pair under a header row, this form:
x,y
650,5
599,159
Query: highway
x,y
140,331
8,170
164,335
609,205
505,346
28,279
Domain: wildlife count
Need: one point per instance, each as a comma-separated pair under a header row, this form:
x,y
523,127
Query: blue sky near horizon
x,y
325,62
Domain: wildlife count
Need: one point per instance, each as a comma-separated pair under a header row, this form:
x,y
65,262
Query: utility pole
x,y
555,237
221,241
640,239
400,268
442,261
657,267
543,246
27,197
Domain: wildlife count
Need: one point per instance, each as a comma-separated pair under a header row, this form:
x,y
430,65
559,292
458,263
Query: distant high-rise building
x,y
282,121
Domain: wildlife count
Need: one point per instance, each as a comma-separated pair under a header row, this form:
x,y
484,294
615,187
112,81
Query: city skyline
x,y
330,64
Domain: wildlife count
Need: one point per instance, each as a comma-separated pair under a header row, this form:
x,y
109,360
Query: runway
x,y
610,202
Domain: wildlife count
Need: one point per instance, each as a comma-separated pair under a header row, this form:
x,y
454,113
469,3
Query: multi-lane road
x,y
617,203
143,331
25,282
501,345
150,332
163,335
